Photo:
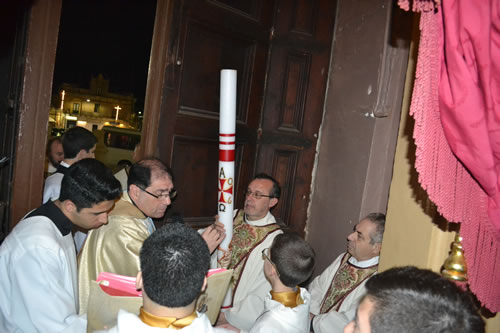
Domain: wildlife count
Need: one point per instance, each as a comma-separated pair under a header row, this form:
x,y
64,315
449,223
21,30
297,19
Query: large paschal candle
x,y
227,143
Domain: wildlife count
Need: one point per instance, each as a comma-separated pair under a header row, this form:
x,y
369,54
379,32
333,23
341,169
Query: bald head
x,y
144,172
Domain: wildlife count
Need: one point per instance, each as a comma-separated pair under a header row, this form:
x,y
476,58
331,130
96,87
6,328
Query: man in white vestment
x,y
335,293
78,143
38,274
412,300
174,263
254,229
115,247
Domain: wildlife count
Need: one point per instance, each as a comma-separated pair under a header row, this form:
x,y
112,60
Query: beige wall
x,y
415,234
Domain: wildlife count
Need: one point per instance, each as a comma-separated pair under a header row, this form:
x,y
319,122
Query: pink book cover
x,y
118,285
121,285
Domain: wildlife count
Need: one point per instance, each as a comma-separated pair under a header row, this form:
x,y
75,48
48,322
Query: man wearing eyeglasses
x,y
254,229
115,247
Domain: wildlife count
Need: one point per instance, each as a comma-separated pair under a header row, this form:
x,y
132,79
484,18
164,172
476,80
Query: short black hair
x,y
89,182
293,257
409,299
276,190
76,139
379,220
174,262
141,174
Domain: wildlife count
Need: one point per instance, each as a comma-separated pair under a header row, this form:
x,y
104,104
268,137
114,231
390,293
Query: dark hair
x,y
49,149
89,182
51,141
293,258
408,299
76,139
143,172
379,220
124,163
174,262
276,190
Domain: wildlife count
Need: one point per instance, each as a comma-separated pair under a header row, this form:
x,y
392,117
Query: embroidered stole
x,y
245,239
347,278
166,322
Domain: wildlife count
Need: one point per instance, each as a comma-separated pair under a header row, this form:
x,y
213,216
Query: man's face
x,y
358,244
361,323
93,217
148,204
257,208
56,154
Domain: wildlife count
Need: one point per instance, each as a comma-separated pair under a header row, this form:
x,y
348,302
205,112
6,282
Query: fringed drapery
x,y
456,107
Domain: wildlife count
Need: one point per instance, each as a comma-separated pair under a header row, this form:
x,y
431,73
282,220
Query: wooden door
x,y
293,102
208,36
280,50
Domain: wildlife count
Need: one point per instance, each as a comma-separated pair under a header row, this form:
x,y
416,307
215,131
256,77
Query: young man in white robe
x,y
38,276
174,262
288,263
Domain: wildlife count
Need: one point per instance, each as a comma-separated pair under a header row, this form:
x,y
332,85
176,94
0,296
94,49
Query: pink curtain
x,y
456,106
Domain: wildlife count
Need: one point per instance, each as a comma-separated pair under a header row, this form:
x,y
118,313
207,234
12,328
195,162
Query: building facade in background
x,y
91,108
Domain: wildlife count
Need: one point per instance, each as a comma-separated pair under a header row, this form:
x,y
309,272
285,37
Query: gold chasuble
x,y
245,239
290,299
346,279
166,322
113,247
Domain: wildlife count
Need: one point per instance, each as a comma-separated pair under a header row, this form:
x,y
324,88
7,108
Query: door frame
x,y
38,64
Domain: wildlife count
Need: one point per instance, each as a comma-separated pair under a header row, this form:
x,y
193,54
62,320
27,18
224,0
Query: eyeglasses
x,y
171,194
265,256
257,195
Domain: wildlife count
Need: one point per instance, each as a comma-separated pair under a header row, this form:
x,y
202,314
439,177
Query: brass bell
x,y
454,267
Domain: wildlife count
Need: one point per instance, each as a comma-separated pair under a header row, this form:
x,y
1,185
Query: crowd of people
x,y
89,224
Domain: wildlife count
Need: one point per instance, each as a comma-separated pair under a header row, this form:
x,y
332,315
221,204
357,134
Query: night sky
x,y
112,37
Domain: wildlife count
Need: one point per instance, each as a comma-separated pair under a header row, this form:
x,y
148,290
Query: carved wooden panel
x,y
303,17
247,7
295,91
195,164
199,91
284,168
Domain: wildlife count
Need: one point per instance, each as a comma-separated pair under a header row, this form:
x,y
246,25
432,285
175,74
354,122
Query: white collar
x,y
262,221
364,263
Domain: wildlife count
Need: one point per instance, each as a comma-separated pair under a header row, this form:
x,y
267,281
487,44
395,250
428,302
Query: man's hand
x,y
214,235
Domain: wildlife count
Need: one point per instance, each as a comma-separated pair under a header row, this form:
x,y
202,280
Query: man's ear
x,y
133,192
273,202
69,206
138,281
272,275
204,286
376,248
80,154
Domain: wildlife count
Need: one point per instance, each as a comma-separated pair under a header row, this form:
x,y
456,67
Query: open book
x,y
112,292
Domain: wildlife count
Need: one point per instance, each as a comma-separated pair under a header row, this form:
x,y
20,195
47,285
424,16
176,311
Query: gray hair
x,y
379,220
